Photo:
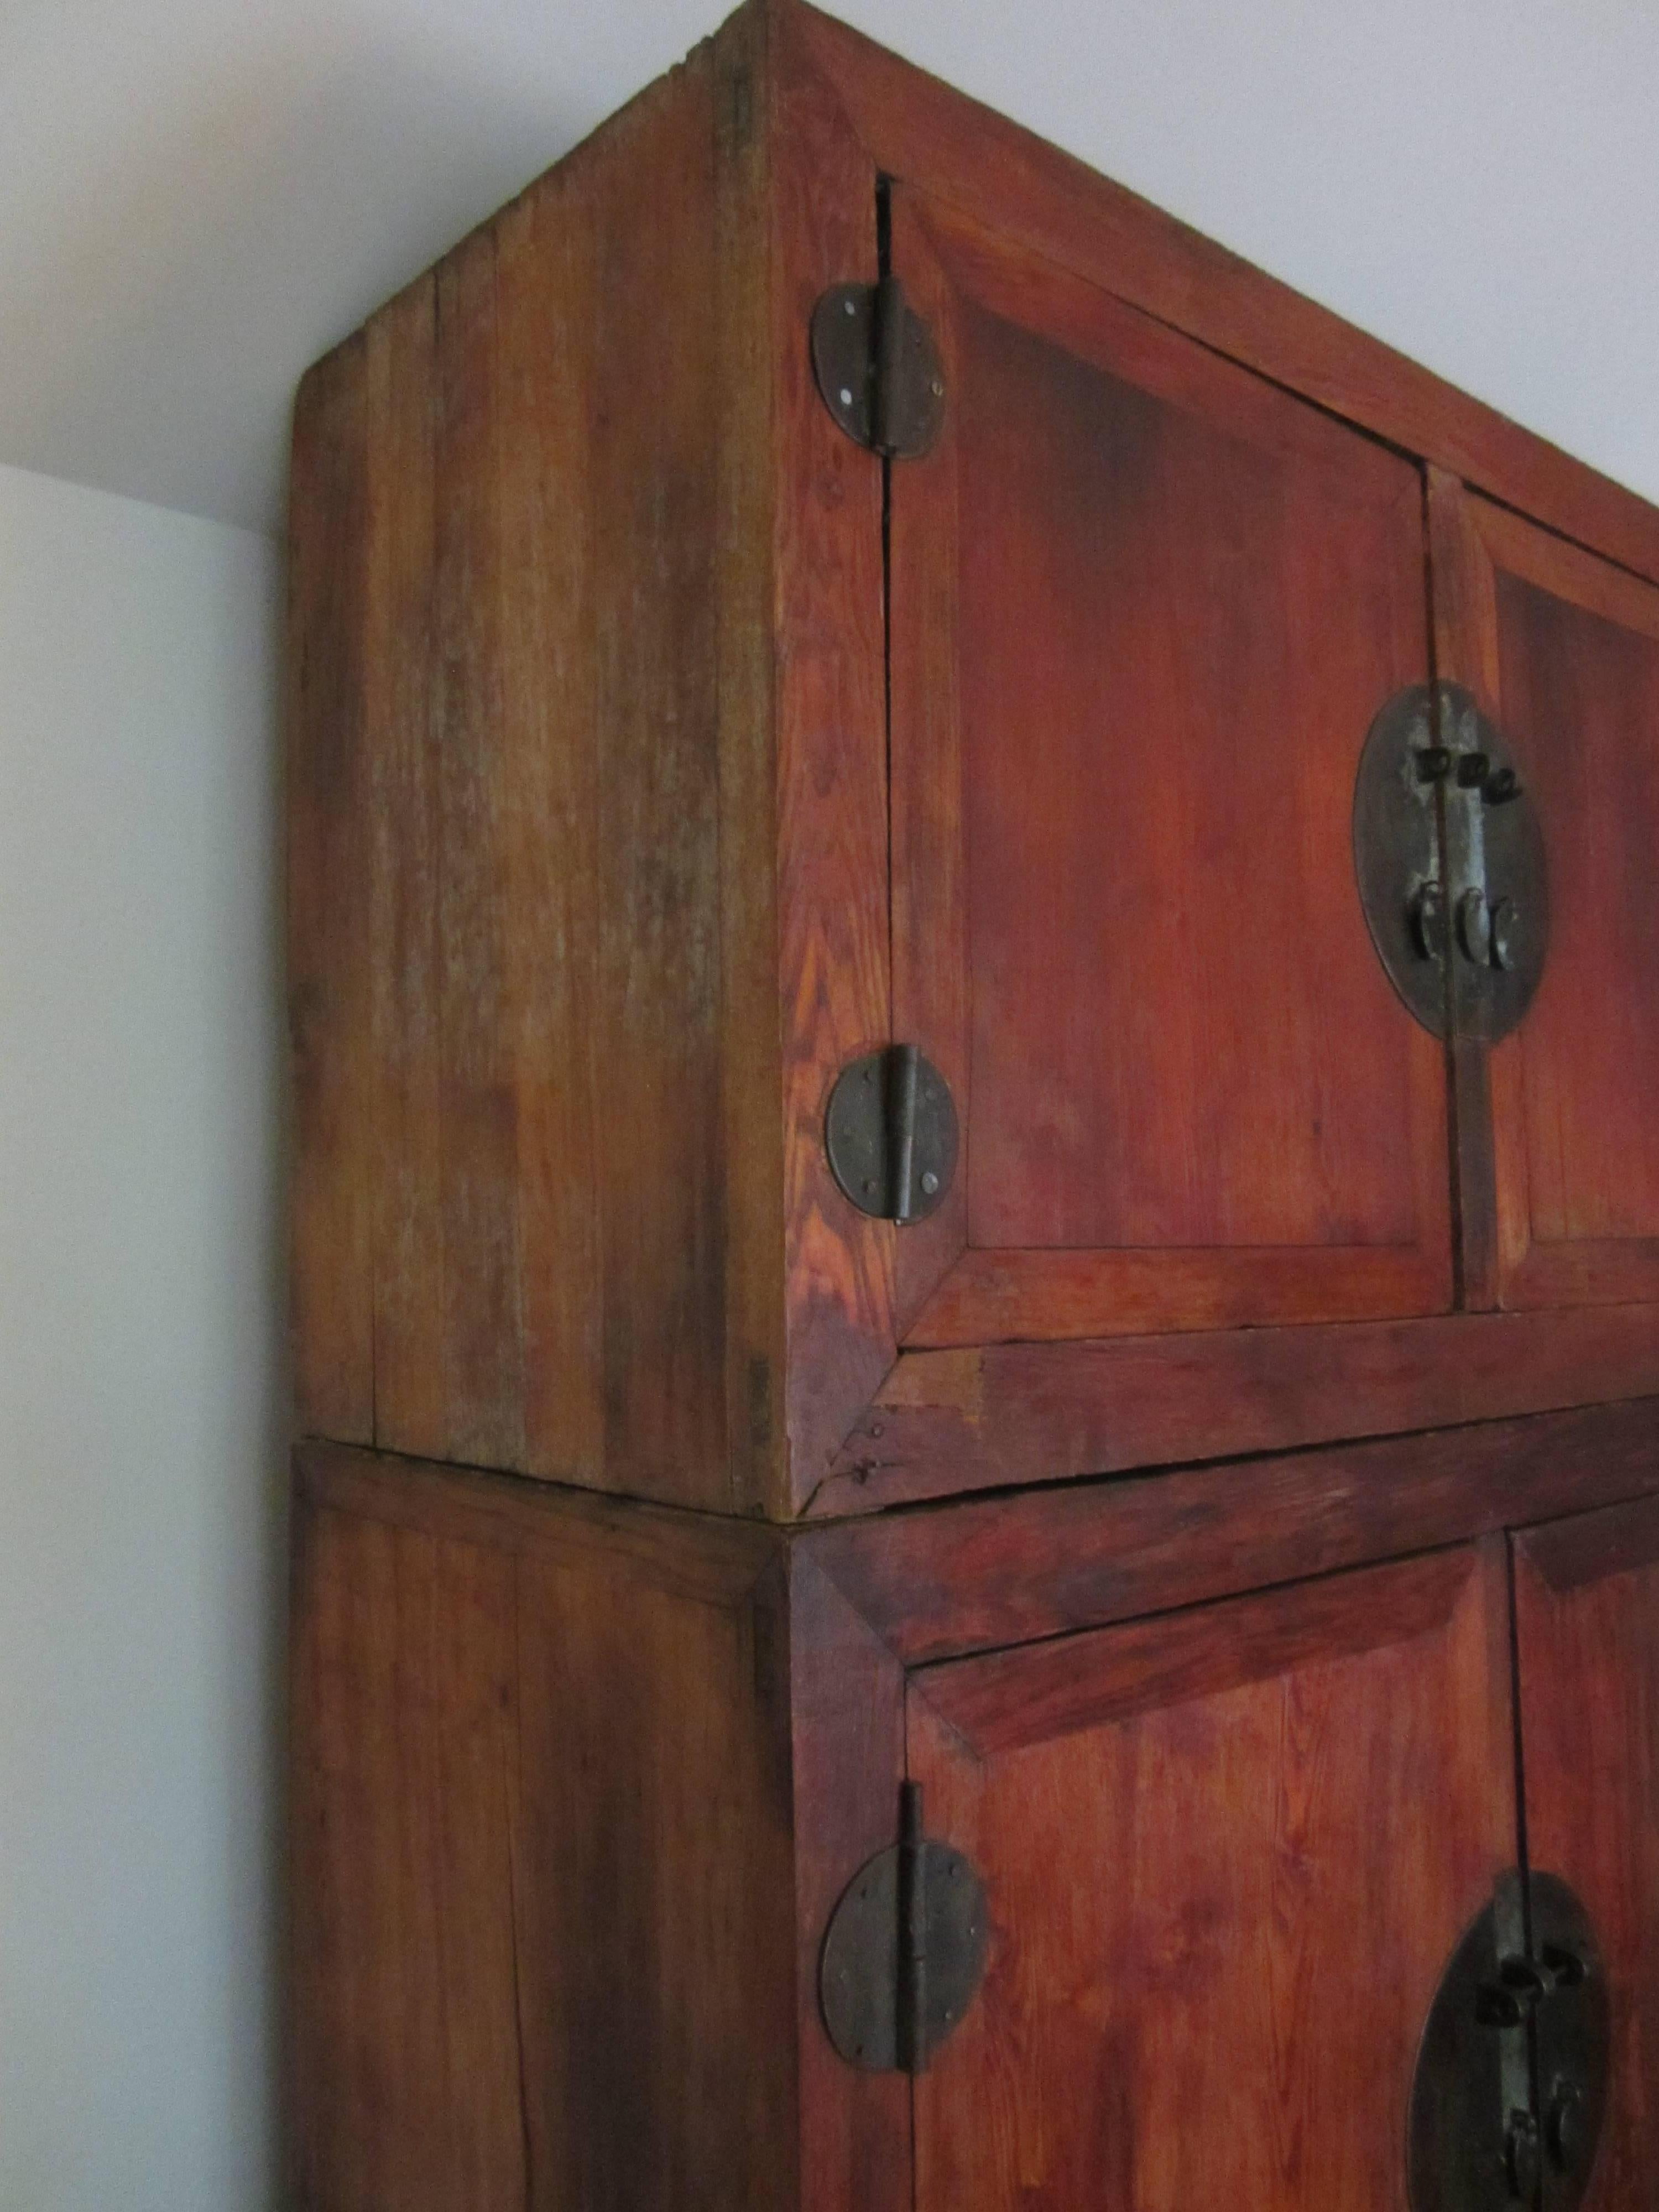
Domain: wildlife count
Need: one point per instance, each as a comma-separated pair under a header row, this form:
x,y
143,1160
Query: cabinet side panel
x,y
543,1911
506,801
406,2064
655,1902
328,882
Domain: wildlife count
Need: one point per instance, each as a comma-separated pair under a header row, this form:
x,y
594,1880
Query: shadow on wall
x,y
256,237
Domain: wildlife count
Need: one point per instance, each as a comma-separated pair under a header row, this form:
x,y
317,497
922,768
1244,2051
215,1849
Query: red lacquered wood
x,y
1587,1616
1564,650
1145,606
1044,1563
948,1421
1226,1854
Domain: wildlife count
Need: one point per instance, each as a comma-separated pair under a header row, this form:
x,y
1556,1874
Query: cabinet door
x,y
1563,650
1587,1615
1226,1853
1144,607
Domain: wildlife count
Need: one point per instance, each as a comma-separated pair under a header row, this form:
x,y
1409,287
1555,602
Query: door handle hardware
x,y
1449,857
1511,2078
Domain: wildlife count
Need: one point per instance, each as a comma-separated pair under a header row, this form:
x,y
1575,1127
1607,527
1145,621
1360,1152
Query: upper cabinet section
x,y
661,750
1144,608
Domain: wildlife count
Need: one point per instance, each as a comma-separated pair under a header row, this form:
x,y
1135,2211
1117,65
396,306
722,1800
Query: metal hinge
x,y
891,1132
878,368
904,1950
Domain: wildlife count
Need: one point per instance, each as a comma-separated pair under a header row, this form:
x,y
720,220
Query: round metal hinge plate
x,y
892,1135
878,368
1450,860
859,1977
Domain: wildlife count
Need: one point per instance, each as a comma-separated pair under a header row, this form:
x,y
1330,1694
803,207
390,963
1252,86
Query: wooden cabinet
x,y
824,591
579,1787
659,751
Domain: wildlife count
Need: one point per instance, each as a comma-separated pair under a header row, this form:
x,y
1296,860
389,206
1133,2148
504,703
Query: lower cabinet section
x,y
1154,1821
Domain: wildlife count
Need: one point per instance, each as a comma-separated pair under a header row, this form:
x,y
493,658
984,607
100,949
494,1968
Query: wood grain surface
x,y
1227,1853
1586,1617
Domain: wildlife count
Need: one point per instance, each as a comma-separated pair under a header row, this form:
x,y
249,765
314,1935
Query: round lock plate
x,y
1449,862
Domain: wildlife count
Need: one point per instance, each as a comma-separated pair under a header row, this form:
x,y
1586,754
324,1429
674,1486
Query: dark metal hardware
x,y
1439,836
877,369
904,1951
1572,2031
1510,2015
1521,2161
892,1134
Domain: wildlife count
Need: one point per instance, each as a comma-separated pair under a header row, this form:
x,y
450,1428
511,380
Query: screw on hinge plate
x,y
878,368
904,1950
891,1132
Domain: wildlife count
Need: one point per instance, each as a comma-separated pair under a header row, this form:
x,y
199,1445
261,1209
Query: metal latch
x,y
904,1951
1449,860
1511,2082
891,1132
878,368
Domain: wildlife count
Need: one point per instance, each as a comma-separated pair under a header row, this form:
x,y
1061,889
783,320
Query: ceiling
x,y
198,196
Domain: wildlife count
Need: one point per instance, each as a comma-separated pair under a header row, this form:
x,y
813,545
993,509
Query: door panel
x,y
1144,608
1227,1853
1563,650
1587,1615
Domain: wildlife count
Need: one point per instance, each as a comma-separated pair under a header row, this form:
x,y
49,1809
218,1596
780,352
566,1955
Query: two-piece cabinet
x,y
974,968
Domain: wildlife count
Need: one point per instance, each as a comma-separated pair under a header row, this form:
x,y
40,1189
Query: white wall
x,y
141,1403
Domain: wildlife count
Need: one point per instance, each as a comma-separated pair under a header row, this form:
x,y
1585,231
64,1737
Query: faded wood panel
x,y
553,883
656,732
1199,1839
545,1908
751,1040
329,964
404,860
1586,1620
509,1005
406,2058
656,1911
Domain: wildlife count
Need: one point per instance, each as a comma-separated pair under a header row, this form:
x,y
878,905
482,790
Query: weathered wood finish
x,y
529,872
1020,1412
1586,1617
596,878
543,1919
578,1782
